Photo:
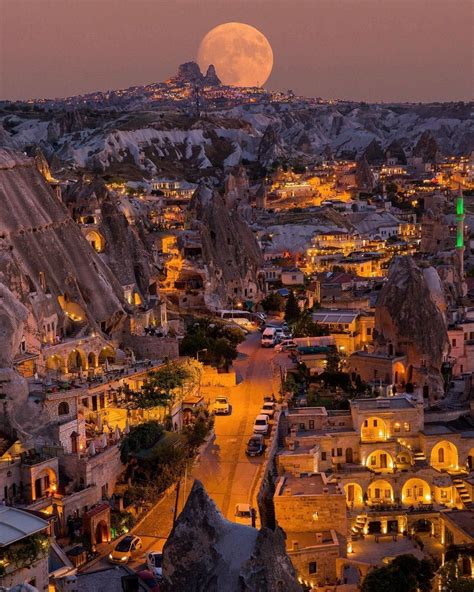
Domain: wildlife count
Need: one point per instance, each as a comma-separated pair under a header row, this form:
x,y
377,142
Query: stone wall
x,y
152,348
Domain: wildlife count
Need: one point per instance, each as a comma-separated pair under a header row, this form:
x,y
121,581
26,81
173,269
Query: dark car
x,y
255,446
152,581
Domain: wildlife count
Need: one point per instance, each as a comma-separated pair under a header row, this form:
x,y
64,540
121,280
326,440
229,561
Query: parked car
x,y
279,334
221,406
152,582
255,446
124,549
261,425
269,337
268,408
286,345
243,514
154,560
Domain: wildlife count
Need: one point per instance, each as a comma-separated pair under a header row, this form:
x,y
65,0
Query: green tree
x,y
405,573
292,310
306,327
333,359
273,302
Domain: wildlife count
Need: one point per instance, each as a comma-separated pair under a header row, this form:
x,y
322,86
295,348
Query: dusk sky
x,y
390,50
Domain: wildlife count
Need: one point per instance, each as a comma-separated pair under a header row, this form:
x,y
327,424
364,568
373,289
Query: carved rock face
x,y
12,317
207,553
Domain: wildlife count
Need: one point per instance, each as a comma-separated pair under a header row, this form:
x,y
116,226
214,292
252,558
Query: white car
x,y
285,345
268,409
221,406
261,425
154,561
243,514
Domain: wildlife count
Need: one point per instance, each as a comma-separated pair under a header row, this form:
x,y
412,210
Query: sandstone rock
x,y
231,254
12,317
207,553
408,317
44,250
189,72
211,78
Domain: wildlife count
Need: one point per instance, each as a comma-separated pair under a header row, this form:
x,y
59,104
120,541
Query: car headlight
x,y
124,558
110,556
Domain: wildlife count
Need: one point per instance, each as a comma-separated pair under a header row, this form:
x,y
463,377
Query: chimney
x,y
319,538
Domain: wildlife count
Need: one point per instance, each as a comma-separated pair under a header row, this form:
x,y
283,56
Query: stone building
x,y
399,469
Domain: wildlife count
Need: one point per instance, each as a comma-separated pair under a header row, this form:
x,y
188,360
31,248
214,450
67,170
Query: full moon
x,y
241,54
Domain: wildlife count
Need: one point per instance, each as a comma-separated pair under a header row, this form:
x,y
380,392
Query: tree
x,y
333,360
405,573
292,310
306,327
273,302
159,389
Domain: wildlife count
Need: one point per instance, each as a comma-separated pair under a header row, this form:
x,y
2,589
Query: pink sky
x,y
390,50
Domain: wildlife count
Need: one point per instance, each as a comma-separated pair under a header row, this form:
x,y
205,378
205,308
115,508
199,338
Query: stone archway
x,y
444,456
76,360
102,532
96,240
380,461
92,360
416,491
354,494
55,363
380,491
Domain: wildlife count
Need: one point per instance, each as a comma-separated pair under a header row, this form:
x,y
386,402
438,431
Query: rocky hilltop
x,y
143,129
207,553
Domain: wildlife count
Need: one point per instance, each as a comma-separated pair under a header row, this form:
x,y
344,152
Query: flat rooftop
x,y
309,539
313,484
307,411
106,580
463,519
381,403
16,524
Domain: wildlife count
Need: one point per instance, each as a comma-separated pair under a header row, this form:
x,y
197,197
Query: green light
x,y
460,206
459,239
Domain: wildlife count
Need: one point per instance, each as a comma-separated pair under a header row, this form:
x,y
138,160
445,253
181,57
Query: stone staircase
x,y
359,525
463,492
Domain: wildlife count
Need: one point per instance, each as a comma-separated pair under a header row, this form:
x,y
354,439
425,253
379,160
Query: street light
x,y
200,351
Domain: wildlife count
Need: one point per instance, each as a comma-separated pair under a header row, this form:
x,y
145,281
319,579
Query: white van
x,y
269,337
261,425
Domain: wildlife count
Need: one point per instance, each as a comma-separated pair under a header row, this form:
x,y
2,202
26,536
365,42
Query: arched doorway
x,y
423,525
416,491
354,495
444,456
96,241
92,360
380,491
399,373
76,360
106,354
380,460
101,532
470,460
54,363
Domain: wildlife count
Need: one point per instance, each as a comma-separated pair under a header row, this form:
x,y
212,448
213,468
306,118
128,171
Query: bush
x,y
141,437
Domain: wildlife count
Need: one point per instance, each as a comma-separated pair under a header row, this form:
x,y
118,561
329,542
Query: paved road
x,y
226,472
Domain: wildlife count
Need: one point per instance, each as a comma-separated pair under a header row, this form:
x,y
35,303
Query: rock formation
x,y
230,252
189,72
207,553
409,321
211,78
44,252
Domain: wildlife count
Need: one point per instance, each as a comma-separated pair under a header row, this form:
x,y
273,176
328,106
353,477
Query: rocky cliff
x,y
207,553
230,252
42,251
409,320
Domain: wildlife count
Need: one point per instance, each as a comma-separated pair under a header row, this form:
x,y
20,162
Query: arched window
x,y
441,455
63,408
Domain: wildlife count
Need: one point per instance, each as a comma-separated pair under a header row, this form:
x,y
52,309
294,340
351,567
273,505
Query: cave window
x,y
63,408
312,567
213,235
